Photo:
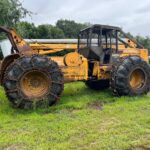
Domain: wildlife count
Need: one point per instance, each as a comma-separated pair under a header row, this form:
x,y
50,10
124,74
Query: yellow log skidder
x,y
105,57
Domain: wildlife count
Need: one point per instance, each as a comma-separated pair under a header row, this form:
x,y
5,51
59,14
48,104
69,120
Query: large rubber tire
x,y
121,74
45,70
97,85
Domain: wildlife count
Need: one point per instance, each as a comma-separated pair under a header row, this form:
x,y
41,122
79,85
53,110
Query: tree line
x,y
12,12
62,29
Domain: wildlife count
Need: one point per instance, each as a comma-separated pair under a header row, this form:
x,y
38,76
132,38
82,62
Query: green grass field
x,y
83,119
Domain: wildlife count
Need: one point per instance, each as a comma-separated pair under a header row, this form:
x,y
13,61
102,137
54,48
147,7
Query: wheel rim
x,y
35,84
137,79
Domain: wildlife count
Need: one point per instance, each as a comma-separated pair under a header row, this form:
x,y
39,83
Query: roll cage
x,y
103,34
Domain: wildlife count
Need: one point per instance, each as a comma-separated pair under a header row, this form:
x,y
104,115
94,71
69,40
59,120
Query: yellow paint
x,y
74,71
44,49
73,65
137,79
35,84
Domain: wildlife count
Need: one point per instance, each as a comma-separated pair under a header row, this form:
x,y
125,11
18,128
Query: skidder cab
x,y
115,60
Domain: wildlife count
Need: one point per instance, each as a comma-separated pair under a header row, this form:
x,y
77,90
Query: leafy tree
x,y
11,12
26,30
44,31
145,41
57,33
49,32
70,28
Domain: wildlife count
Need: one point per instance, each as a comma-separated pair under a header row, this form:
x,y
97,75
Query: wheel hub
x,y
137,79
35,84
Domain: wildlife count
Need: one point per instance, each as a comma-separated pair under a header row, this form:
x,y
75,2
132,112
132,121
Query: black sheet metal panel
x,y
92,52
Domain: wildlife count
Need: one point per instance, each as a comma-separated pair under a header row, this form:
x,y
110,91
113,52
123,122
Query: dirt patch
x,y
16,147
96,105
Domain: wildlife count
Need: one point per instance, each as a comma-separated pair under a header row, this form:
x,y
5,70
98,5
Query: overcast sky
x,y
131,15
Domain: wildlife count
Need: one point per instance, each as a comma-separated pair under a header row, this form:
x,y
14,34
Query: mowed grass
x,y
83,119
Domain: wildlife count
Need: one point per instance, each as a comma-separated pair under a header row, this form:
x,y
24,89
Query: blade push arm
x,y
18,44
